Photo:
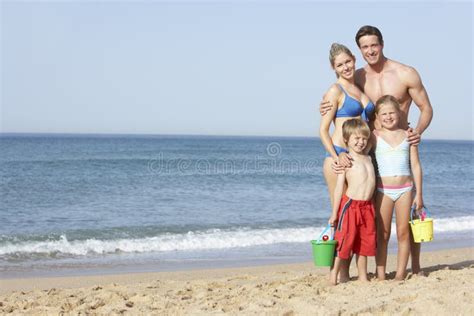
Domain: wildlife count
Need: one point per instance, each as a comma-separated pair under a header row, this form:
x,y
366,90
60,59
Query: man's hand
x,y
414,137
324,107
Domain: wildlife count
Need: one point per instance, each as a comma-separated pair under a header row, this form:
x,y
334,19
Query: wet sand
x,y
292,289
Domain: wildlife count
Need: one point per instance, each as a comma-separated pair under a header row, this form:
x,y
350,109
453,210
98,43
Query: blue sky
x,y
209,68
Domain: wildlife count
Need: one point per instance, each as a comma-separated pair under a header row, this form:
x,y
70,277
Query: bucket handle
x,y
325,230
425,211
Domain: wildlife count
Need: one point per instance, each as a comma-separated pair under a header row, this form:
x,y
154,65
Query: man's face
x,y
371,49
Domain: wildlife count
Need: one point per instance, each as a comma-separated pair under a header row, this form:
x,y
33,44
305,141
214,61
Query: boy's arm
x,y
417,176
341,179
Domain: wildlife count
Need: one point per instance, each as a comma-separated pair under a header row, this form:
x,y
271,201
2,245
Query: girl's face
x,y
344,65
388,116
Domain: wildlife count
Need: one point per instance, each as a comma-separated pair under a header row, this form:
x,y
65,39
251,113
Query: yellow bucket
x,y
422,229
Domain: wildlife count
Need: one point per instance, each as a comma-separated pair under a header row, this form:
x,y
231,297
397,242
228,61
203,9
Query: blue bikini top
x,y
353,108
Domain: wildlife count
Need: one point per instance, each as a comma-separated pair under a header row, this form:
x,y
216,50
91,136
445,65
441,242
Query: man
x,y
382,76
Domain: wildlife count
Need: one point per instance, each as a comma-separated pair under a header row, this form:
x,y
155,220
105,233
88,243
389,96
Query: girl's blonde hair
x,y
387,99
354,126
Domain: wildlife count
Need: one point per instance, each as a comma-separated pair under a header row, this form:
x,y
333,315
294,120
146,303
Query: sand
x,y
294,289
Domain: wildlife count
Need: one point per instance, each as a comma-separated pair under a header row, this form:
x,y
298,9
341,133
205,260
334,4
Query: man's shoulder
x,y
400,68
360,71
360,77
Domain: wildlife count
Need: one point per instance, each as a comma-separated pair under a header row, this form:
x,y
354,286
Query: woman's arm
x,y
333,95
417,176
341,179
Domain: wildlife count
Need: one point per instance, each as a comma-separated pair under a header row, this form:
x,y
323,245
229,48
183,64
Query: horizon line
x,y
179,135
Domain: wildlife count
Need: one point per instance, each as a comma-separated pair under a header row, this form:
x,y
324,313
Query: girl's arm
x,y
333,95
341,179
417,176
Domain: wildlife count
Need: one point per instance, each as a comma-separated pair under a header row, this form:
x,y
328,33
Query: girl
x,y
399,174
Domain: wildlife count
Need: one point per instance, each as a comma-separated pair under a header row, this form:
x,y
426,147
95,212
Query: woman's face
x,y
388,116
344,65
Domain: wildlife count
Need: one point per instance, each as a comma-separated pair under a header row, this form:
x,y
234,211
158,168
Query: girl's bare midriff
x,y
395,180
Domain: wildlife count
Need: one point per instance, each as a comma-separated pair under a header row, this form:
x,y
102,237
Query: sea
x,y
98,204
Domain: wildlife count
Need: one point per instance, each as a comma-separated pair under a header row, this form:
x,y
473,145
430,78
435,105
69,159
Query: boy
x,y
355,231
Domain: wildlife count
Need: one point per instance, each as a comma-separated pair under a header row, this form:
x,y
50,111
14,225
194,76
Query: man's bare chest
x,y
376,86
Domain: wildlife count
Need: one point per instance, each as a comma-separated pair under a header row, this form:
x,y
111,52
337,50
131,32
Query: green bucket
x,y
323,251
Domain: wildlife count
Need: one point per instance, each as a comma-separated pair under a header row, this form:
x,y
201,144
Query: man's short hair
x,y
369,30
354,126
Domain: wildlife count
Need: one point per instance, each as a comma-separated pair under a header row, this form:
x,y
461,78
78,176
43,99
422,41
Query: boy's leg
x,y
344,272
402,209
383,217
362,267
331,179
335,270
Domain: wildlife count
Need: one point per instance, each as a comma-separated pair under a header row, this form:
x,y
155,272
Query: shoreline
x,y
297,288
231,259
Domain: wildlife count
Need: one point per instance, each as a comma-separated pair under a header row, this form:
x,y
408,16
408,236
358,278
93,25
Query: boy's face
x,y
357,142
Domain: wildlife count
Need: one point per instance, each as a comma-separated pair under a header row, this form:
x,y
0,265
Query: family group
x,y
372,166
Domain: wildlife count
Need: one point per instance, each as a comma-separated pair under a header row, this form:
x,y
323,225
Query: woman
x,y
351,103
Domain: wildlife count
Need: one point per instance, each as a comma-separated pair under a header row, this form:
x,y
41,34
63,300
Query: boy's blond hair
x,y
354,126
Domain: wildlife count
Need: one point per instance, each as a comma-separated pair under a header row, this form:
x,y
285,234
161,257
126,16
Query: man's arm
x,y
417,92
325,106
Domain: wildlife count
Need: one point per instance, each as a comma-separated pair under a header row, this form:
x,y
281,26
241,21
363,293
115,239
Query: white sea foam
x,y
195,241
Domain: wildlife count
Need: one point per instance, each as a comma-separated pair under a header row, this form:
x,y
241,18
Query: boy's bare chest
x,y
360,171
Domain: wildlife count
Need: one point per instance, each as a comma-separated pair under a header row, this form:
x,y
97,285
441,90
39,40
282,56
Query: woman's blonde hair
x,y
337,49
354,126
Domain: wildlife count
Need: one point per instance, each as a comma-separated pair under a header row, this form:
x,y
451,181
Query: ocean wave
x,y
192,241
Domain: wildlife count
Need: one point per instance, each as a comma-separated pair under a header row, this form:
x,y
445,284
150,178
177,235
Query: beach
x,y
288,289
165,225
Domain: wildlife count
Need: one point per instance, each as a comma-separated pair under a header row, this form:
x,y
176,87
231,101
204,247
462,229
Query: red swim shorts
x,y
355,230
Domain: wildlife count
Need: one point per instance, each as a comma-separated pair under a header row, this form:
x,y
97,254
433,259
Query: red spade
x,y
423,215
325,237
